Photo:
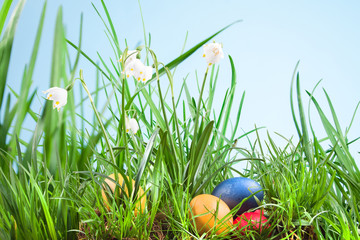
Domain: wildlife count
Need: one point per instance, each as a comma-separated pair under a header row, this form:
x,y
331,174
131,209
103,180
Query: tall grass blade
x,y
304,132
4,12
54,127
200,149
6,45
23,104
145,159
229,103
292,99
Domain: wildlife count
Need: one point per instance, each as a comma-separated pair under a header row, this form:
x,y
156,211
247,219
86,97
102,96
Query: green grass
x,y
183,149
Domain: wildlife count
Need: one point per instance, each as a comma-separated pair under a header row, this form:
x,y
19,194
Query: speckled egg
x,y
141,197
232,191
208,213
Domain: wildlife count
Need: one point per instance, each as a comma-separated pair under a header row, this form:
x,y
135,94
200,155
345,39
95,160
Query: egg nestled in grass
x,y
234,190
252,221
110,185
208,213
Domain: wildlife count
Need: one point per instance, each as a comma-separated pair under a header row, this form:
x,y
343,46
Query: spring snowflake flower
x,y
57,95
137,69
133,68
144,74
131,125
213,53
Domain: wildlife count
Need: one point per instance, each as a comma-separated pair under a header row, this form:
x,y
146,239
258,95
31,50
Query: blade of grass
x,y
53,120
145,159
22,108
230,100
4,12
304,136
291,99
6,46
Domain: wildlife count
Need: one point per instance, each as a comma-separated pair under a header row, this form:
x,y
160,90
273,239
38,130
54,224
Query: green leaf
x,y
145,158
23,104
304,136
45,207
153,108
291,99
54,129
196,164
6,46
230,100
4,12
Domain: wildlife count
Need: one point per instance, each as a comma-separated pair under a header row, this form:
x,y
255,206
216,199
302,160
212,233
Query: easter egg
x,y
255,221
141,197
208,213
232,191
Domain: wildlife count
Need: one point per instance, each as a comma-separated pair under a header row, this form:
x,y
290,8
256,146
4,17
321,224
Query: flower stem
x,y
98,118
123,121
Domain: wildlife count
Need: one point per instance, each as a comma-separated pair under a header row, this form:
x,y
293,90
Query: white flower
x,y
57,95
137,69
131,56
144,74
131,125
213,53
133,68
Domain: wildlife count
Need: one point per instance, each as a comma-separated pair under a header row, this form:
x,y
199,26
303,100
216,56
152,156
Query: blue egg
x,y
232,191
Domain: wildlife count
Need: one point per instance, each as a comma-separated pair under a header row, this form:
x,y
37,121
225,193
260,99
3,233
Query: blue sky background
x,y
265,46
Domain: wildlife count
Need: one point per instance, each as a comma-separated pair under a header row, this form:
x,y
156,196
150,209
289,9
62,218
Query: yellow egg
x,y
210,212
141,197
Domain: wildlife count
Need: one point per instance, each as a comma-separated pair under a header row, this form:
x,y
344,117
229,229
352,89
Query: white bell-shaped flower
x,y
134,68
140,72
213,53
129,61
144,74
148,73
131,125
57,95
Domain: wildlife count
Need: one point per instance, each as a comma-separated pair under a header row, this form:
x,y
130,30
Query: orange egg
x,y
210,212
141,197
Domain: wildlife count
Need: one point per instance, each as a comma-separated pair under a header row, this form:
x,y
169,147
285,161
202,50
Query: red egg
x,y
255,221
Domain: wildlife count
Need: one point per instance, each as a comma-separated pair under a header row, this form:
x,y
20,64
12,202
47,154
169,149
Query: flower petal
x,y
147,73
213,53
131,125
134,68
134,126
58,96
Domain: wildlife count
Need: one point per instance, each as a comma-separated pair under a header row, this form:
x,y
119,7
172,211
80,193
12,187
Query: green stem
x,y
123,122
98,118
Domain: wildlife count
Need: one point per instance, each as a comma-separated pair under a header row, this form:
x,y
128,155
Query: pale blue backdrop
x,y
265,46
